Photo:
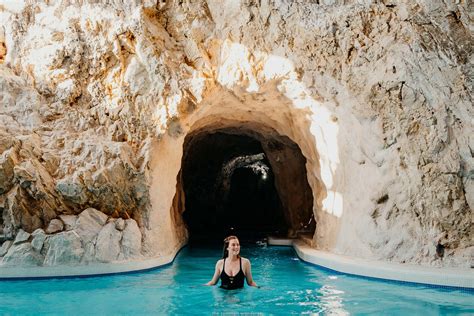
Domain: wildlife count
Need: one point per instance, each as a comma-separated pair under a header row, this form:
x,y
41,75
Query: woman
x,y
232,269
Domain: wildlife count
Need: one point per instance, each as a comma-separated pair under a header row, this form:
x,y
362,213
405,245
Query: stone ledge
x,y
452,277
96,269
277,241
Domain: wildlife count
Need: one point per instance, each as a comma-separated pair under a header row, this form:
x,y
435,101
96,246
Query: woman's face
x,y
234,247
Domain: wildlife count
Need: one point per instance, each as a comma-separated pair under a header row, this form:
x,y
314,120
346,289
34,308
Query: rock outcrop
x,y
90,237
95,108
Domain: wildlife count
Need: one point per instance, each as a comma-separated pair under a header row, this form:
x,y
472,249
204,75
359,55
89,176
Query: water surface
x,y
288,286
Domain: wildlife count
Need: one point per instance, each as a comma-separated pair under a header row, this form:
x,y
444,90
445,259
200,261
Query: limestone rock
x,y
55,226
38,240
69,221
5,246
120,224
131,240
21,237
72,190
6,172
89,223
108,243
22,255
95,111
89,253
64,248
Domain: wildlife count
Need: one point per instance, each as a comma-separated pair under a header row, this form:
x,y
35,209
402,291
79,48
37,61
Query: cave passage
x,y
230,187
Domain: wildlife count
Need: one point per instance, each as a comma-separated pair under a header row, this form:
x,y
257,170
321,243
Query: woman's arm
x,y
217,273
248,273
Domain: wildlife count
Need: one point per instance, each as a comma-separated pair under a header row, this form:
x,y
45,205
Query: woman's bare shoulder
x,y
245,260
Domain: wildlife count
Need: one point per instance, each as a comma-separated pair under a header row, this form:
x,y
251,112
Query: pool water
x,y
288,286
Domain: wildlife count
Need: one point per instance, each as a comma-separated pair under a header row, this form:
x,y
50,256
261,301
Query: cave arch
x,y
244,201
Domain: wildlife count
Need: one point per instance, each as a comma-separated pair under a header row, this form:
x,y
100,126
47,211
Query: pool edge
x,y
440,277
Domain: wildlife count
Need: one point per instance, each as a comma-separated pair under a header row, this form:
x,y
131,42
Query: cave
x,y
247,182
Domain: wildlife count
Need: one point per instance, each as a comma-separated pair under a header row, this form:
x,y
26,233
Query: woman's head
x,y
231,245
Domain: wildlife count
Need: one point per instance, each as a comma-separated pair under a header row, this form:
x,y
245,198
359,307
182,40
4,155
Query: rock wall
x,y
97,99
75,239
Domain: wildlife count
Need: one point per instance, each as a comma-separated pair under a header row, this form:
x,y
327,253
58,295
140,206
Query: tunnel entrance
x,y
239,181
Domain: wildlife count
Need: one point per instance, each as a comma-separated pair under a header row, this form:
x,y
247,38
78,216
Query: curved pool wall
x,y
445,277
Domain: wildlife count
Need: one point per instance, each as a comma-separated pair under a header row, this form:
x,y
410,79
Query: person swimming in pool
x,y
232,269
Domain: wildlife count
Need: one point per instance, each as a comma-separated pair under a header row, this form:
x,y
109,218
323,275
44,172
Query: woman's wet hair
x,y
225,252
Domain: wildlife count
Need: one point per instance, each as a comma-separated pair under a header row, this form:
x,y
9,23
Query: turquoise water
x,y
288,286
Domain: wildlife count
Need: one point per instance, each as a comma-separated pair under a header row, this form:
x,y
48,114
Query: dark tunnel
x,y
230,187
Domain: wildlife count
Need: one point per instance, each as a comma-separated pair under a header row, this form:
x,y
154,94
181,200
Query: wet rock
x,y
22,255
108,243
64,249
55,226
38,239
131,239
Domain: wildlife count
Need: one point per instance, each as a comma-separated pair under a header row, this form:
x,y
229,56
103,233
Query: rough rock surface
x,y
89,223
22,255
93,239
64,249
55,226
21,237
108,243
38,240
4,248
131,239
378,96
69,221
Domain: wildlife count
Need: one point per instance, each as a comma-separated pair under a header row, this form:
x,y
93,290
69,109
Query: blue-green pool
x,y
288,286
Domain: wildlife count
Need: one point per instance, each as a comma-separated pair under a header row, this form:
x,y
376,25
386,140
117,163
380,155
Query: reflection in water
x,y
331,300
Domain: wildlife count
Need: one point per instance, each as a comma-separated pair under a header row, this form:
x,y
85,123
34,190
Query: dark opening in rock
x,y
238,181
440,250
382,199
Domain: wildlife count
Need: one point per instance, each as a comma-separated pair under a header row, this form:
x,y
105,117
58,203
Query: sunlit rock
x,y
99,101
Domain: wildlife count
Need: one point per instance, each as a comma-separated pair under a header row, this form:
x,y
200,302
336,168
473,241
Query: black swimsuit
x,y
232,282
